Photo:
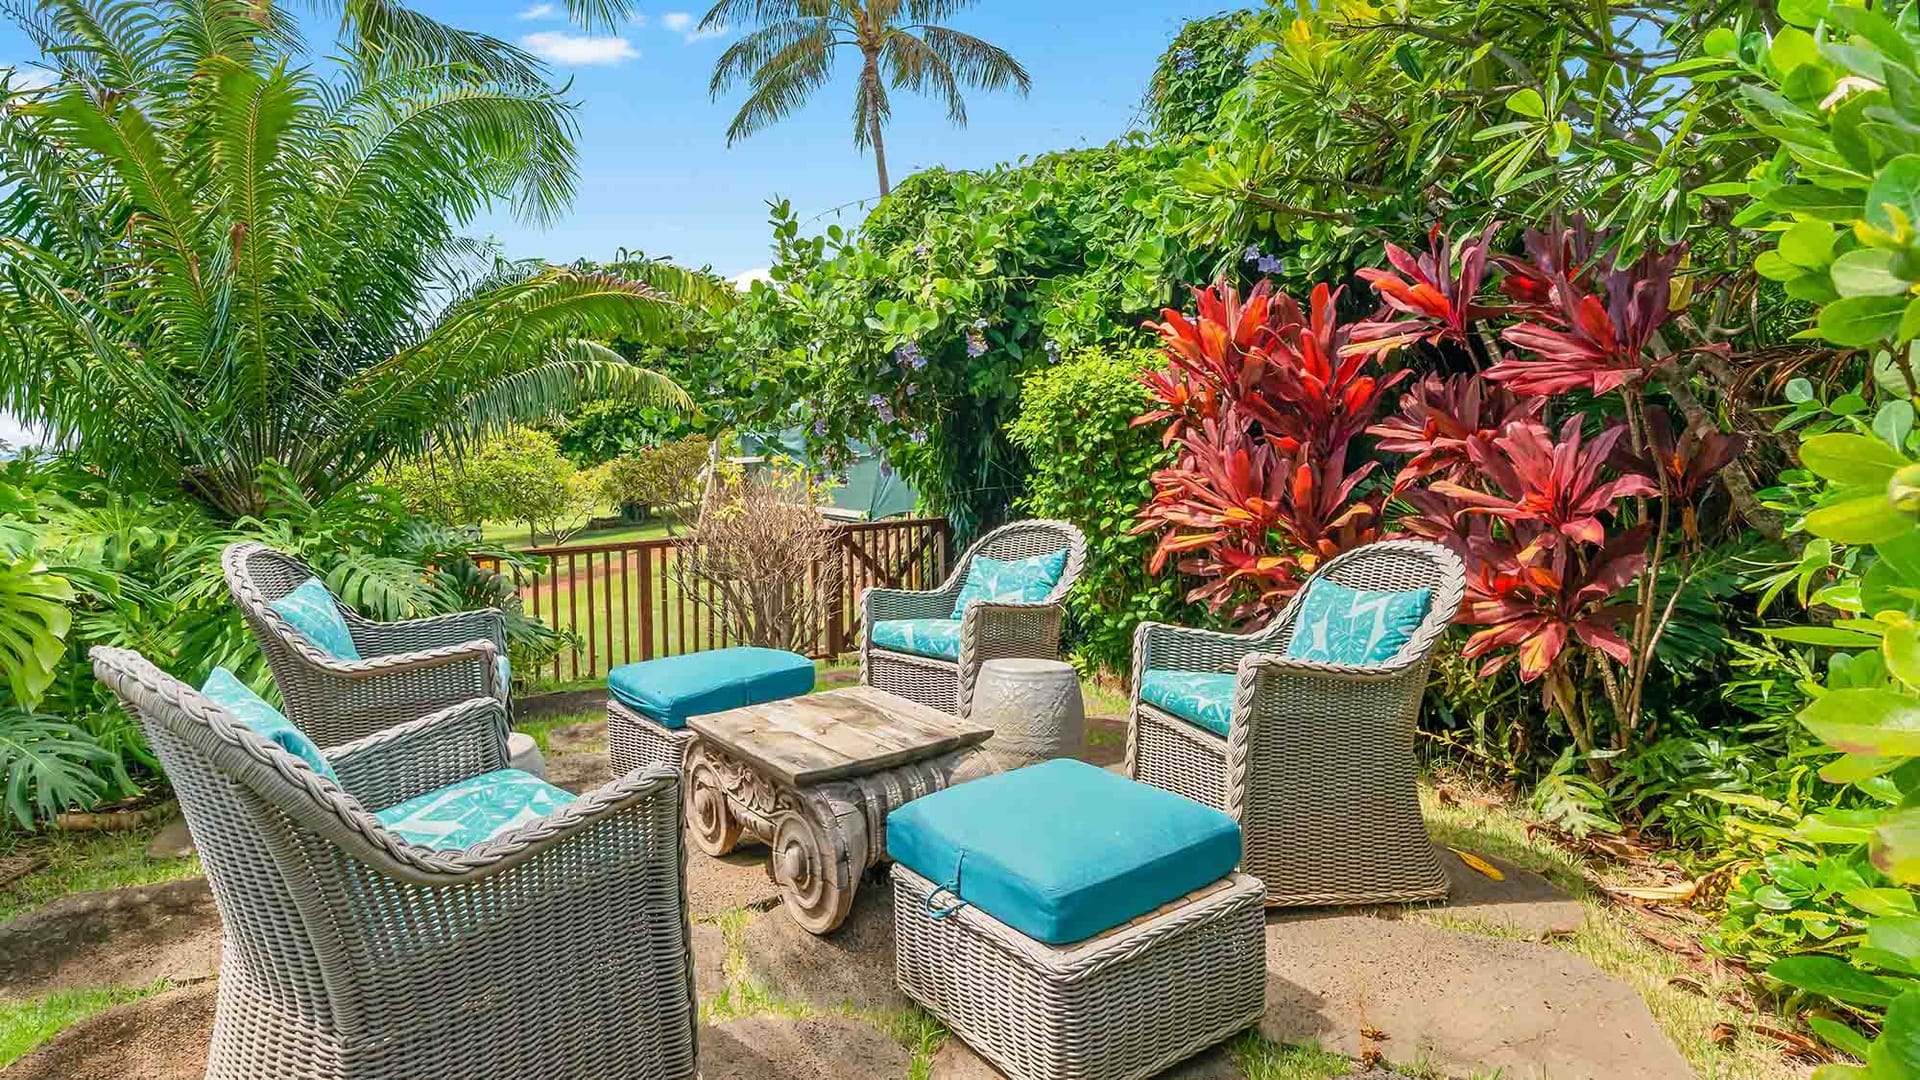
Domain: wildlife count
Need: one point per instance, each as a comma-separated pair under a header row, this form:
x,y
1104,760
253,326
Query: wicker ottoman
x,y
648,703
1105,938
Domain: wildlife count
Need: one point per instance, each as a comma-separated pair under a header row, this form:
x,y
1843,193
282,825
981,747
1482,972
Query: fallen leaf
x,y
1796,1044
1678,893
1372,1059
1479,864
1678,946
1373,1034
1722,1034
14,866
1692,986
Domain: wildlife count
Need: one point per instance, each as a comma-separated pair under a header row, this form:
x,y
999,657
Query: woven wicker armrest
x,y
1163,647
996,628
479,650
879,605
419,756
455,628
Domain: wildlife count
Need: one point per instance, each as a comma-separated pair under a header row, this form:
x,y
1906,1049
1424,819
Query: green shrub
x,y
1093,468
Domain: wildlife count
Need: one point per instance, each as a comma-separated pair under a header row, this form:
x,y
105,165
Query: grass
x,y
83,862
24,1025
513,534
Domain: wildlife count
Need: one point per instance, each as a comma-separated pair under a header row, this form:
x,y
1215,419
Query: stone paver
x,y
709,961
119,937
851,966
1523,903
772,1048
1464,1002
172,841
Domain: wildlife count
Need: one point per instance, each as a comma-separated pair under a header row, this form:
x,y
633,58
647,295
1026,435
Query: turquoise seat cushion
x,y
474,810
311,609
1063,850
1014,581
673,688
241,703
1338,625
1203,698
938,638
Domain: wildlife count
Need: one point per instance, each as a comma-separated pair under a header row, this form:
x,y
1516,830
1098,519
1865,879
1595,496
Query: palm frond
x,y
785,82
912,65
582,371
979,64
730,13
758,49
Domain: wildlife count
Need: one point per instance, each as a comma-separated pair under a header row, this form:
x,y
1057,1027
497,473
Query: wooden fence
x,y
623,601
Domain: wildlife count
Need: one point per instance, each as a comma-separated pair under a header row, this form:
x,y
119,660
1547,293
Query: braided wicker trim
x,y
321,805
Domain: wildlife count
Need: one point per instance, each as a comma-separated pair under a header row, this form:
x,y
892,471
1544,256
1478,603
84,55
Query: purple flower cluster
x,y
1053,351
1266,264
977,339
1184,61
819,429
909,356
918,437
881,408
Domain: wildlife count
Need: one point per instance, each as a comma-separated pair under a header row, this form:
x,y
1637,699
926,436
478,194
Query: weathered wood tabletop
x,y
835,735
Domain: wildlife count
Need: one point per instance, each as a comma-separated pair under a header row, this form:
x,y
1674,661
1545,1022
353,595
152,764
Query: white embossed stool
x,y
1034,708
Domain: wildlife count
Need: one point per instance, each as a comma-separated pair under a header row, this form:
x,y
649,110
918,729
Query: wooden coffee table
x,y
814,778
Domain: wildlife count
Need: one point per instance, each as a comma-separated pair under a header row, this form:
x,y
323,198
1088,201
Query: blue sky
x,y
655,171
656,174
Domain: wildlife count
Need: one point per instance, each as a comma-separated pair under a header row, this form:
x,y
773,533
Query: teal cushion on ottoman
x,y
1063,851
671,689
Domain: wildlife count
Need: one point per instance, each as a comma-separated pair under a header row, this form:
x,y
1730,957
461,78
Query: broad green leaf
x,y
1799,391
1527,102
1808,244
1791,48
1834,978
1851,460
1807,13
1849,827
1720,41
1893,202
1894,422
1866,517
1822,635
1839,1035
1898,1046
1875,722
1896,846
1901,649
1868,272
1861,320
1774,267
1896,933
1853,768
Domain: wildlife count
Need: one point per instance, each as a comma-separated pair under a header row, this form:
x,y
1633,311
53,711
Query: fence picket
x,y
899,553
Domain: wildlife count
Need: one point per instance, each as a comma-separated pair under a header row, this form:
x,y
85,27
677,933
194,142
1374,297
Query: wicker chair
x,y
989,630
1318,763
558,949
407,669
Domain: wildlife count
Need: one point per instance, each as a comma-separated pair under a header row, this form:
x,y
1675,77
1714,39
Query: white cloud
x,y
14,434
29,78
579,49
744,280
686,26
538,11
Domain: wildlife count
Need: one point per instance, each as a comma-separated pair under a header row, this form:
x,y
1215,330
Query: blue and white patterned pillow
x,y
241,703
1014,581
474,810
1338,625
312,610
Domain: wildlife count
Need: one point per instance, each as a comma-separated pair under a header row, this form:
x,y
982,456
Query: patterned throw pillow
x,y
241,703
1338,625
312,611
1014,581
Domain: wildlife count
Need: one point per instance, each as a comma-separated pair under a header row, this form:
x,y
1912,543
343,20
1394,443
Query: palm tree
x,y
212,258
901,44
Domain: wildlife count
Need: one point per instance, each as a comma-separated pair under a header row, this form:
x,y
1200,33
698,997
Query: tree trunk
x,y
870,86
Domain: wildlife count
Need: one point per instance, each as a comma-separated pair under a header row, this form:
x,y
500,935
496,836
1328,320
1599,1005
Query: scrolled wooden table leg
x,y
715,829
807,872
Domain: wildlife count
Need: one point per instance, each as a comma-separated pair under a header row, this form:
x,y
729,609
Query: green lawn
x,y
66,862
513,534
24,1025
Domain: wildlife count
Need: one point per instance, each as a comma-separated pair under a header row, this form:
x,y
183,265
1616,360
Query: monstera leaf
x,y
47,765
34,620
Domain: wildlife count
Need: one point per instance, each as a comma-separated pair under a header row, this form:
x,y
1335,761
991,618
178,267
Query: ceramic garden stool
x,y
1034,708
648,703
1071,924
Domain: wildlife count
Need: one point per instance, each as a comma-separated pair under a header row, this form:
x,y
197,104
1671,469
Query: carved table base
x,y
821,838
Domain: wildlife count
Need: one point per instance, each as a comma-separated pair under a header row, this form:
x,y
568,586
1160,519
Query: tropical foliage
x,y
217,259
903,45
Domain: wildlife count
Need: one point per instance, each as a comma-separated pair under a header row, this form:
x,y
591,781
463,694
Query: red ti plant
x,y
1262,400
1564,537
1432,302
1439,418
